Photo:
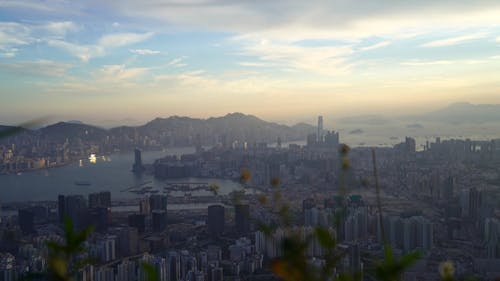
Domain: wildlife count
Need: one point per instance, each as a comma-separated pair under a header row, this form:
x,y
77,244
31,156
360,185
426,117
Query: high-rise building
x,y
242,218
76,210
100,199
448,188
100,217
8,269
216,274
137,167
409,233
158,202
174,266
106,248
137,221
216,220
159,220
308,203
144,206
27,220
319,135
126,271
128,241
61,206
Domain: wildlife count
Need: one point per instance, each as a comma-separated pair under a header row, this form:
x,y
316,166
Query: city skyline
x,y
113,62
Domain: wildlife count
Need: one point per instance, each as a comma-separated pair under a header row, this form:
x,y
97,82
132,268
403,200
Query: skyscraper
x,y
138,221
242,218
159,220
137,167
76,209
215,220
100,199
158,202
319,135
27,220
100,217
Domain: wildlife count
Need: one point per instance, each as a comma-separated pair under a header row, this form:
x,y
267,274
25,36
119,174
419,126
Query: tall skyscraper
x,y
319,135
76,209
158,202
100,217
215,220
137,167
448,188
100,199
138,221
159,220
242,218
27,220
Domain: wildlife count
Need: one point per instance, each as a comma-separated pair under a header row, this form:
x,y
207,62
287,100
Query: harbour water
x,y
111,173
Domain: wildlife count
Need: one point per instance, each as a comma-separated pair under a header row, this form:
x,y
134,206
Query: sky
x,y
126,62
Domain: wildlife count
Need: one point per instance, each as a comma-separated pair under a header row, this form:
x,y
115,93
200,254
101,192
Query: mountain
x,y
64,130
464,112
74,122
233,126
11,131
179,131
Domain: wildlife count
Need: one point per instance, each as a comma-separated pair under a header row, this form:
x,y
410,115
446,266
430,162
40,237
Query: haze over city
x,y
110,63
239,140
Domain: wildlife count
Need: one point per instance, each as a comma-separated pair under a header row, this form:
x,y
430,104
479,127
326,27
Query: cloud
x,y
144,52
83,52
255,64
106,42
122,39
375,46
454,40
426,62
329,60
177,62
61,28
8,53
13,35
32,5
498,39
35,68
442,62
121,72
295,20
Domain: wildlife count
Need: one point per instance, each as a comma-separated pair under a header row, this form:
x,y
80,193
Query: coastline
x,y
59,165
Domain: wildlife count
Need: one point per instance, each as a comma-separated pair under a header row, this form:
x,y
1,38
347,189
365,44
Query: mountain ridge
x,y
236,125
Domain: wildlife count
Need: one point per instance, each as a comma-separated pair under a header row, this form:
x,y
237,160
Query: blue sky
x,y
130,61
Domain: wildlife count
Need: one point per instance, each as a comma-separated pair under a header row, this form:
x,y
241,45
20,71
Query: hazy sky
x,y
109,62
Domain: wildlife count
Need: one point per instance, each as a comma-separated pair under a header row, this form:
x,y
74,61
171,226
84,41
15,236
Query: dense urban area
x,y
441,200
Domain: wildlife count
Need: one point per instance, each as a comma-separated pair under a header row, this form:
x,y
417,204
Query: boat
x,y
83,183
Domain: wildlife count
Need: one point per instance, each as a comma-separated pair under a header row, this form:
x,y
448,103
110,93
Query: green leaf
x,y
325,238
150,271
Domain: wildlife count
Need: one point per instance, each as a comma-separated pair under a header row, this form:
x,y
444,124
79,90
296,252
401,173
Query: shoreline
x,y
76,160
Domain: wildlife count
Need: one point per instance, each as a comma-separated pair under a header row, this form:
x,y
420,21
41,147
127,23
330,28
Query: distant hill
x,y
65,130
456,113
464,112
233,125
12,131
177,130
